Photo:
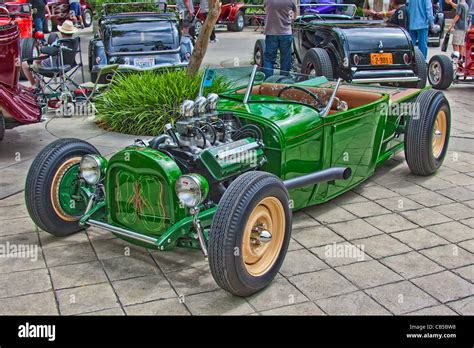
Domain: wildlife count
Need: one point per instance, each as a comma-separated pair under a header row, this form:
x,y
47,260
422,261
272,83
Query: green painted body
x,y
140,181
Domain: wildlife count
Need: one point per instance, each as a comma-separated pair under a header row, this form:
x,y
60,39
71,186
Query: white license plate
x,y
144,62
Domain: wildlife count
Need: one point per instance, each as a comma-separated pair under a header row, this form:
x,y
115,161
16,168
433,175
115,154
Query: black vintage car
x,y
138,40
360,51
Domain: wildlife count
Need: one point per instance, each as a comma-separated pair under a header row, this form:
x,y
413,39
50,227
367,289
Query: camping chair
x,y
95,87
58,80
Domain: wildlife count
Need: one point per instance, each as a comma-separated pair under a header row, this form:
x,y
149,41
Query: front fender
x,y
20,105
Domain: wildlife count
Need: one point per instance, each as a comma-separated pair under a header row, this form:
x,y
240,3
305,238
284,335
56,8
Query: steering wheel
x,y
305,90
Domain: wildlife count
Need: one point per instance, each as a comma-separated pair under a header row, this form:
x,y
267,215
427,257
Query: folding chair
x,y
57,81
95,87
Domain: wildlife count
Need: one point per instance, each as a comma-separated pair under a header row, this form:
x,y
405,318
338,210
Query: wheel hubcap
x,y
58,195
258,57
439,134
240,21
263,236
435,72
88,18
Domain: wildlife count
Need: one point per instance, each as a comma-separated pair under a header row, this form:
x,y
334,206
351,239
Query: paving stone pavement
x,y
408,258
397,245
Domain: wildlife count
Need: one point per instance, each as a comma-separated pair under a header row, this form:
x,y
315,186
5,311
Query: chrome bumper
x,y
386,79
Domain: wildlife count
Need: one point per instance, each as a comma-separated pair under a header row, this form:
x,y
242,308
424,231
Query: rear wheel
x,y
440,72
427,133
53,196
421,71
239,23
259,52
87,17
29,49
317,62
250,233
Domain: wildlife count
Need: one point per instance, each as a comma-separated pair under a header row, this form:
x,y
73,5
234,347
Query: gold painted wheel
x,y
263,236
439,134
55,185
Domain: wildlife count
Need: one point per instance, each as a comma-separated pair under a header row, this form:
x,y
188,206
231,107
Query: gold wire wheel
x,y
439,134
263,236
55,185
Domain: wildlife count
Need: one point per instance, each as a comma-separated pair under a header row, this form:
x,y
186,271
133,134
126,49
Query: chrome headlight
x,y
192,189
187,108
212,100
92,168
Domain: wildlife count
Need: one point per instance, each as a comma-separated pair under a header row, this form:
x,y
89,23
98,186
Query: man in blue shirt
x,y
421,19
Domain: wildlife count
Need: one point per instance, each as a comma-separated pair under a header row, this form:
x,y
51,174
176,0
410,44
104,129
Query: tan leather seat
x,y
353,98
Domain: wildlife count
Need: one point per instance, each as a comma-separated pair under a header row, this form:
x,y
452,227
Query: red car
x,y
60,12
443,71
22,15
18,104
232,15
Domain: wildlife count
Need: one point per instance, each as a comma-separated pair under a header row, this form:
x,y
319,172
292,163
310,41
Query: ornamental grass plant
x,y
142,103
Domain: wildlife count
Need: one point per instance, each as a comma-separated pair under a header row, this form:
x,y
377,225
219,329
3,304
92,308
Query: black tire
x,y
440,72
39,184
48,26
317,61
420,153
2,126
421,71
259,52
238,24
226,258
87,18
28,50
52,38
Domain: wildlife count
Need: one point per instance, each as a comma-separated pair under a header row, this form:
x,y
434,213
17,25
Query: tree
x,y
203,40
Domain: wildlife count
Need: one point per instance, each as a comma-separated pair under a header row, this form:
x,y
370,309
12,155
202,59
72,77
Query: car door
x,y
352,139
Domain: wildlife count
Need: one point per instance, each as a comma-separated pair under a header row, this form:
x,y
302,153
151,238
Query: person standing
x,y
400,17
421,19
76,12
40,11
460,24
186,12
204,5
278,34
377,9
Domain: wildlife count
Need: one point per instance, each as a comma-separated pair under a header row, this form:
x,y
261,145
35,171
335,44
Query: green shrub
x,y
143,103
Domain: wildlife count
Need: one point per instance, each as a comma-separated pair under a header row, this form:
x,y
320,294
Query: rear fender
x,y
97,51
186,49
236,7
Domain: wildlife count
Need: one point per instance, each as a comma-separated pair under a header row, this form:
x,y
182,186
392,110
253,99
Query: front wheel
x,y
250,233
53,194
427,133
440,72
239,23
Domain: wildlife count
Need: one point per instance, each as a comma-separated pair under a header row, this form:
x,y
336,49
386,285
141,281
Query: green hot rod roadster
x,y
227,175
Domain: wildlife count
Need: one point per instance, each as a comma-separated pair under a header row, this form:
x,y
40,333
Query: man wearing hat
x,y
67,30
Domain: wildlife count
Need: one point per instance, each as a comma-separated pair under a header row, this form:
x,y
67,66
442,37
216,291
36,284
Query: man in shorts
x,y
461,26
186,12
67,30
76,12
